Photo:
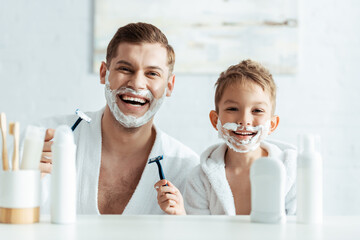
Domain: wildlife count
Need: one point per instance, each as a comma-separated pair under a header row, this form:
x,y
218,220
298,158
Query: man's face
x,y
139,67
247,104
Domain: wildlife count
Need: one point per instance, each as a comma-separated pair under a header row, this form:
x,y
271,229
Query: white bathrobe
x,y
207,190
178,161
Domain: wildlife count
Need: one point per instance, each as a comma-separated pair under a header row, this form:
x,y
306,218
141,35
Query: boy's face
x,y
246,104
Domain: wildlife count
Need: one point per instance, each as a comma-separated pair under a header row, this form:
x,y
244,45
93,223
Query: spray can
x,y
63,179
309,181
267,178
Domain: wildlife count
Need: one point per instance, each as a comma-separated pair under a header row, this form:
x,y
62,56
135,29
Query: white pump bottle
x,y
63,179
309,182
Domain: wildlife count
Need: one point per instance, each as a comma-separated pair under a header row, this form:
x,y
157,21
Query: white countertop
x,y
182,227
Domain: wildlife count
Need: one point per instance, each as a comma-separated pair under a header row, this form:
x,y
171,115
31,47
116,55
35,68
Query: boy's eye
x,y
154,74
258,110
231,109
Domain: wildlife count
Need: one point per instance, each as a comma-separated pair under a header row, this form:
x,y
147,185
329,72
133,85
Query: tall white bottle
x,y
63,177
309,182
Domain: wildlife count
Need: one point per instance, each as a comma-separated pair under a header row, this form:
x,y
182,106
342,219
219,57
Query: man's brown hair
x,y
247,71
140,33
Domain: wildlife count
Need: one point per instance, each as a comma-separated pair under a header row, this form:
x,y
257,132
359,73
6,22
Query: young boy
x,y
245,104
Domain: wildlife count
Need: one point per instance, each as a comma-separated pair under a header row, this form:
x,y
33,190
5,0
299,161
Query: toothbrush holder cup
x,y
20,196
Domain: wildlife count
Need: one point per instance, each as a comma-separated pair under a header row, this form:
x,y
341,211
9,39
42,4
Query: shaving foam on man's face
x,y
145,97
253,135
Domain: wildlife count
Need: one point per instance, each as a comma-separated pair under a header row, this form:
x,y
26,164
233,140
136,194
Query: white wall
x,y
45,59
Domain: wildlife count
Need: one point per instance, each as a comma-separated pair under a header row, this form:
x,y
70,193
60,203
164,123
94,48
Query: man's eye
x,y
124,69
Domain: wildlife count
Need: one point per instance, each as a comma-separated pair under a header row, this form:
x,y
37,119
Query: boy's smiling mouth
x,y
244,135
241,138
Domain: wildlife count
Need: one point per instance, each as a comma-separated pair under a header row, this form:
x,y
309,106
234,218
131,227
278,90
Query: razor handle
x,y
161,172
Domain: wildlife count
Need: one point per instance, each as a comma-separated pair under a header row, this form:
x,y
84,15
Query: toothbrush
x,y
157,160
14,129
82,116
5,159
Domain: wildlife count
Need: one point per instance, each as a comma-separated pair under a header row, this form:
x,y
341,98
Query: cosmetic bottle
x,y
33,146
63,177
309,180
267,178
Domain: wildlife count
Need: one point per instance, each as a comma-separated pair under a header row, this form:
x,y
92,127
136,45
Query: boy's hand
x,y
46,156
169,198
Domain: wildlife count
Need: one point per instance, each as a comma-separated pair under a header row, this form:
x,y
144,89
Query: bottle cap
x,y
34,132
63,135
309,142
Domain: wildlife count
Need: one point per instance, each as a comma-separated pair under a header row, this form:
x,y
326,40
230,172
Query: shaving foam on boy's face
x,y
256,135
130,121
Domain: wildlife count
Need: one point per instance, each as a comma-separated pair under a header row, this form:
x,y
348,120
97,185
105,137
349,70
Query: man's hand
x,y
169,198
46,156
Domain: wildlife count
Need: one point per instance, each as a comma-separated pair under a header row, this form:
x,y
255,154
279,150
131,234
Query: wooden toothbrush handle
x,y
3,129
15,160
5,160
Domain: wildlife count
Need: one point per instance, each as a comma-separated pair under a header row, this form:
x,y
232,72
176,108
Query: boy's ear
x,y
274,123
102,72
214,118
170,85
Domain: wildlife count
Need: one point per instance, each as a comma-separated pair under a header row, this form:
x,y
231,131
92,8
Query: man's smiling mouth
x,y
133,100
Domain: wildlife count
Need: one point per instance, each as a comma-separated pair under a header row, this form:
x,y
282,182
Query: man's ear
x,y
274,123
103,69
214,118
170,85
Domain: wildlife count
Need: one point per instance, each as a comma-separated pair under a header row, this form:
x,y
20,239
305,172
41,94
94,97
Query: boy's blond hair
x,y
247,71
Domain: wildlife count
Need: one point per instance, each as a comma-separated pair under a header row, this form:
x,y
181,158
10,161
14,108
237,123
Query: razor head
x,y
82,115
155,159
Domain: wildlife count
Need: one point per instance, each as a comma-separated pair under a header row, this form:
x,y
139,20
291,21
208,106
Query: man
x,y
113,175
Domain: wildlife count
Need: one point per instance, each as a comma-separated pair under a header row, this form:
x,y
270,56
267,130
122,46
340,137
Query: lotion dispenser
x,y
63,179
309,181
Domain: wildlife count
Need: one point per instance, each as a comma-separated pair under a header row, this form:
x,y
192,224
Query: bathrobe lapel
x,y
144,198
88,164
213,165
